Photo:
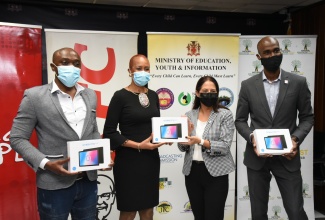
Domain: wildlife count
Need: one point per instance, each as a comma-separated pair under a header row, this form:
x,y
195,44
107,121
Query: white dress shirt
x,y
197,155
272,89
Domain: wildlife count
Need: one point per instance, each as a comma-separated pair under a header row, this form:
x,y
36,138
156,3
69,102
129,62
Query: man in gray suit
x,y
59,112
273,99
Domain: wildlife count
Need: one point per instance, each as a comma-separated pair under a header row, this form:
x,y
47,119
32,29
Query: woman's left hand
x,y
192,140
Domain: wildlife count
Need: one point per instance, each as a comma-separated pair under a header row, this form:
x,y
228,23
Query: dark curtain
x,y
310,21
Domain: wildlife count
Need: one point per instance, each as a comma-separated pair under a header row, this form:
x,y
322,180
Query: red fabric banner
x,y
20,68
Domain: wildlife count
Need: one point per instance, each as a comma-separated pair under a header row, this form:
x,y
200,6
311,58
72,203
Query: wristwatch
x,y
201,142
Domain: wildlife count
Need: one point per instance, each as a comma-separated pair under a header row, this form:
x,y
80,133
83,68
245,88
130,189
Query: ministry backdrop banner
x,y
20,69
105,61
177,61
298,58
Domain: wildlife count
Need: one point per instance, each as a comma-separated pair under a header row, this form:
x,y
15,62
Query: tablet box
x,y
88,154
273,141
169,129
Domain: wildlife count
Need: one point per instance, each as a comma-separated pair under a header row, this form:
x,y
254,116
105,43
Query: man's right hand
x,y
255,149
57,167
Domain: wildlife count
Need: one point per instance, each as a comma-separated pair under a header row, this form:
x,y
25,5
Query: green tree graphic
x,y
305,187
286,43
276,209
306,43
296,64
247,43
245,189
257,64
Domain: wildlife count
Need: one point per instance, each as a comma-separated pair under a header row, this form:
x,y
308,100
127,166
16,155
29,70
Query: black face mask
x,y
273,63
208,99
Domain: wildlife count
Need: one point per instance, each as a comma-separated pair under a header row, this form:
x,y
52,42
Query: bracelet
x,y
139,147
201,142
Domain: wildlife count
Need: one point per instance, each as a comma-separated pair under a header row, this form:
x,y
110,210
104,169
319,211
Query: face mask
x,y
273,63
208,99
68,75
141,78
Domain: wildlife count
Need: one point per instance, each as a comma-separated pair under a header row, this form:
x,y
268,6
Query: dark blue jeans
x,y
80,200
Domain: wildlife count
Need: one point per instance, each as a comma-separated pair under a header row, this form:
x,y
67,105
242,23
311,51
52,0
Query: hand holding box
x,y
272,141
88,154
169,129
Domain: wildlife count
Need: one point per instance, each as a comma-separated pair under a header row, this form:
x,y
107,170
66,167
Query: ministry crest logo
x,y
193,48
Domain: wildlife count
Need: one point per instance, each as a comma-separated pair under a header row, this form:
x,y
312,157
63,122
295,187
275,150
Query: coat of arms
x,y
193,48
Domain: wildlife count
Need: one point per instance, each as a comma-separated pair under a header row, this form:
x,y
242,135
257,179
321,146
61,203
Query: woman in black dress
x,y
137,162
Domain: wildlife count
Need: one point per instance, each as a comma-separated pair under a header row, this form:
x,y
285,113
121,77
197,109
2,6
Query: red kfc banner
x,y
20,68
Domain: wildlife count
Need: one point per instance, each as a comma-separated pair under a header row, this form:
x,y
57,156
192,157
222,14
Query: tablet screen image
x,y
168,132
100,154
88,158
179,129
273,143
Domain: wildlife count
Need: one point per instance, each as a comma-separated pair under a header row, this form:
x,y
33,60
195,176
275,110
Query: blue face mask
x,y
141,78
68,75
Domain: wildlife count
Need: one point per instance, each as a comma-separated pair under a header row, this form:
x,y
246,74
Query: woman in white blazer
x,y
208,159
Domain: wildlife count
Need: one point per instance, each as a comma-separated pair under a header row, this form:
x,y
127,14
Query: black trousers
x,y
290,186
207,194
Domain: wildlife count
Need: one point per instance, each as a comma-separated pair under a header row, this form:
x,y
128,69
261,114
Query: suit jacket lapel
x,y
85,97
211,119
261,94
282,92
56,102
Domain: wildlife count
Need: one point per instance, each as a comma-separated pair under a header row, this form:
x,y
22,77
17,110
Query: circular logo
x,y
226,97
187,207
184,98
164,207
166,98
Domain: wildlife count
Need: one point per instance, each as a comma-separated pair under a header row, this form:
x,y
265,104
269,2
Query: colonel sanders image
x,y
106,196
